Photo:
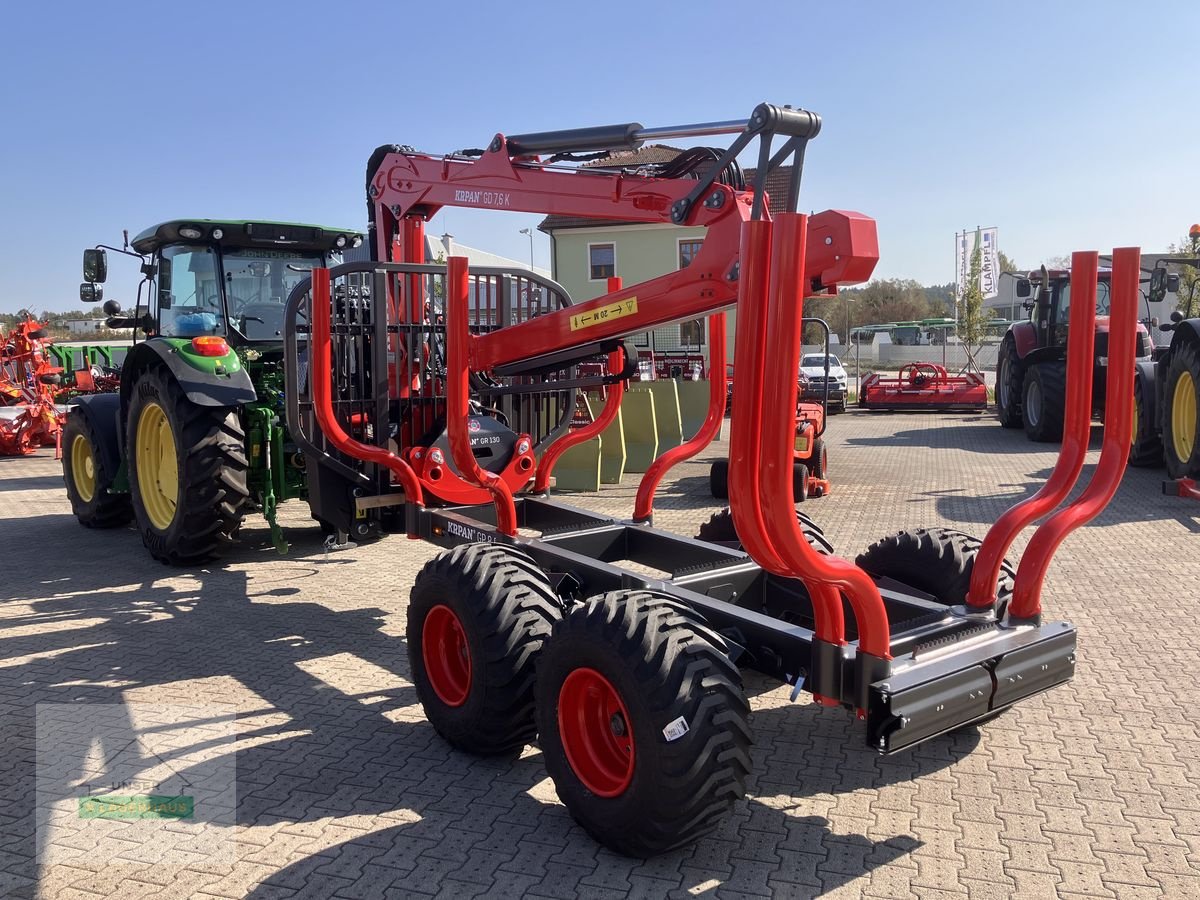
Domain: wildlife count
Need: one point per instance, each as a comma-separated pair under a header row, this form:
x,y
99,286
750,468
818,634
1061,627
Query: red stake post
x,y
822,574
458,394
1077,430
321,372
612,405
1026,604
643,508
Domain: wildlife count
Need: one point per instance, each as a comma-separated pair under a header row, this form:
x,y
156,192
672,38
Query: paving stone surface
x,y
344,790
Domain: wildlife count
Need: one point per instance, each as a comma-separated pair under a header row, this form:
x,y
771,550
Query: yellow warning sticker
x,y
620,309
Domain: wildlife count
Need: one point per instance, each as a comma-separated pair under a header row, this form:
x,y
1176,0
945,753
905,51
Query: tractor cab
x,y
219,278
1047,296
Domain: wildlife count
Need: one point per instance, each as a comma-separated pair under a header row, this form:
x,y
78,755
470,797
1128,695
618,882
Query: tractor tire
x,y
1181,412
643,722
87,478
478,616
935,561
718,479
1010,374
1043,403
187,470
1146,450
818,463
719,530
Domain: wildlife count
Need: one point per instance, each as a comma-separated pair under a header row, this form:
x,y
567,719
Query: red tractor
x,y
1031,372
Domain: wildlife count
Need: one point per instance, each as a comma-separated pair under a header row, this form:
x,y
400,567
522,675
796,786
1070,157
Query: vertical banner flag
x,y
989,269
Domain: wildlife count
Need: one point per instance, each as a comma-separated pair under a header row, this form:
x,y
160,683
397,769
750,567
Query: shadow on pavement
x,y
340,751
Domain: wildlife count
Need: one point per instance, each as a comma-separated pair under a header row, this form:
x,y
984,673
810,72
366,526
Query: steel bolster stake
x,y
1026,604
1076,434
322,369
458,395
825,574
745,428
643,509
612,406
608,415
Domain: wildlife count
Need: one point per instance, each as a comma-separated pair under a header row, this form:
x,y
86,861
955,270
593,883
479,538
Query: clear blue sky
x,y
1065,124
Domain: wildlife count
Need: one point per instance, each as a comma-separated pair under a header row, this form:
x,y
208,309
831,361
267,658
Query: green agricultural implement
x,y
195,437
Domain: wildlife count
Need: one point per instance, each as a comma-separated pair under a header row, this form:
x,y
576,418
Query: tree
x,y
972,323
1006,264
1187,299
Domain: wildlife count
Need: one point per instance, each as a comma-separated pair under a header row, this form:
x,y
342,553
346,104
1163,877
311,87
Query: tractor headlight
x,y
340,242
190,232
217,234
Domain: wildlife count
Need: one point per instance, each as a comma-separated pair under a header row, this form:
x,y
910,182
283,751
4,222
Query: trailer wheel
x,y
719,530
1146,450
643,722
1009,376
937,561
87,478
1043,403
477,618
187,470
1181,412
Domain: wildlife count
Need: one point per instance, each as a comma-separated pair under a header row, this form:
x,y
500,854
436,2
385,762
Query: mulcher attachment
x,y
924,386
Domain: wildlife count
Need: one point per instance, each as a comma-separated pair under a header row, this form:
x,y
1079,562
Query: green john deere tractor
x,y
196,436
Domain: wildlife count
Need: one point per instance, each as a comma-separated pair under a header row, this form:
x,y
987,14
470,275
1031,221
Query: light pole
x,y
529,231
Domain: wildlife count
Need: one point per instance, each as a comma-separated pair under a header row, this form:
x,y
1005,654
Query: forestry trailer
x,y
434,400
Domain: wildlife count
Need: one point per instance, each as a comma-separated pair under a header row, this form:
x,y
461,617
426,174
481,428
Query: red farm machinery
x,y
924,386
434,400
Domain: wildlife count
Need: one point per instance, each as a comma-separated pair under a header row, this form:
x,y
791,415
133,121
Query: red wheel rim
x,y
596,733
447,657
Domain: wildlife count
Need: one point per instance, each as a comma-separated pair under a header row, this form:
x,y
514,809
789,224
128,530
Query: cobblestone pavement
x,y
344,790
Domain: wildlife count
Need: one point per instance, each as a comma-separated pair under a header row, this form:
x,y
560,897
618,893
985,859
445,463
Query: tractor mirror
x,y
90,293
1024,288
95,266
112,307
1162,284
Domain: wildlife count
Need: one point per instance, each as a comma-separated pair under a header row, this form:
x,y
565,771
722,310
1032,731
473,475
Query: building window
x,y
602,261
687,252
691,334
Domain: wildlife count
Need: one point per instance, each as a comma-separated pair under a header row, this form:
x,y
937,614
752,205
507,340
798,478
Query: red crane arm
x,y
407,187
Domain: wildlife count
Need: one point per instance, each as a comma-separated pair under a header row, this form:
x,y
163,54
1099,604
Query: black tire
x,y
799,482
505,607
671,674
1010,374
1146,451
719,529
1043,402
1184,364
101,509
935,561
718,479
211,470
818,463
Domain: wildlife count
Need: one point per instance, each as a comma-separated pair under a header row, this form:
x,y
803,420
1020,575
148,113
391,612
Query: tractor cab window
x,y
257,284
1062,310
189,293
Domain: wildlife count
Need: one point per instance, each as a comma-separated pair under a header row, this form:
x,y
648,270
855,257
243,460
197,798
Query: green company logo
x,y
135,806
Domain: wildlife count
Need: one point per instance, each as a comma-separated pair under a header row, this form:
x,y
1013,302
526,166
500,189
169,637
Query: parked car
x,y
812,365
